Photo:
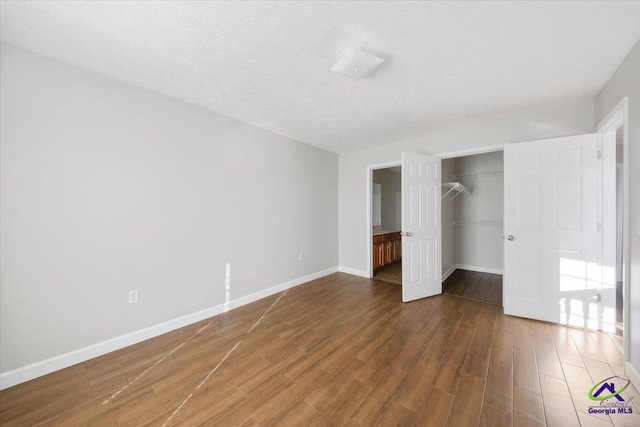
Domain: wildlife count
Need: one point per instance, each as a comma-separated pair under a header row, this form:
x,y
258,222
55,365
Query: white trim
x,y
370,169
608,234
471,151
448,273
353,271
615,118
632,374
479,269
44,367
619,116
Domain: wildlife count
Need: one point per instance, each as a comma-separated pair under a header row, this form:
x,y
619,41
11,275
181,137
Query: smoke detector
x,y
356,63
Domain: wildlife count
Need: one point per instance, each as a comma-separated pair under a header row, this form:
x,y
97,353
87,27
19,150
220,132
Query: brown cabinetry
x,y
387,249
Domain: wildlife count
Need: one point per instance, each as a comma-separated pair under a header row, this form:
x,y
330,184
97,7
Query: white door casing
x,y
421,240
552,267
609,232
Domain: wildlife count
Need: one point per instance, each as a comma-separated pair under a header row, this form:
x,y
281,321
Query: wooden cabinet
x,y
388,253
397,248
378,253
387,249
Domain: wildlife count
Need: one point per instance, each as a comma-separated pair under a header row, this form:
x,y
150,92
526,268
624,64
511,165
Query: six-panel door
x,y
552,269
421,265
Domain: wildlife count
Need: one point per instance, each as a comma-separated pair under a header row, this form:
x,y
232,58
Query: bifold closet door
x,y
421,228
553,241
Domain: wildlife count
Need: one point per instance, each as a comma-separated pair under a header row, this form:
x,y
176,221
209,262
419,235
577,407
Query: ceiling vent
x,y
356,63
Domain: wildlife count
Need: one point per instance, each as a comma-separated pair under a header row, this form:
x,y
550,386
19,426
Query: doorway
x,y
617,219
386,224
472,226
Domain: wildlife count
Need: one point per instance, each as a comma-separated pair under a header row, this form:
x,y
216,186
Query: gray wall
x,y
390,183
626,82
107,187
480,246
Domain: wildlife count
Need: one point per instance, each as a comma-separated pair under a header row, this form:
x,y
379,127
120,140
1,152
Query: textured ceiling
x,y
267,63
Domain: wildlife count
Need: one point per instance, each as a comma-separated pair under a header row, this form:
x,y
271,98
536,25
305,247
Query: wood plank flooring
x,y
473,285
339,351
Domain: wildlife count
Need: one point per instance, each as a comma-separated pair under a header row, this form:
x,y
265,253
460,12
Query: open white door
x,y
553,243
421,229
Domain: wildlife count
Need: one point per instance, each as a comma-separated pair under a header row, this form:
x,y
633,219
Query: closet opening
x,y
472,215
386,224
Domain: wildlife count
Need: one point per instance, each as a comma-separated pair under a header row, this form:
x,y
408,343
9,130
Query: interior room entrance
x,y
386,224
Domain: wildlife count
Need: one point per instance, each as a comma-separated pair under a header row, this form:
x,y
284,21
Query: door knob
x,y
510,238
408,234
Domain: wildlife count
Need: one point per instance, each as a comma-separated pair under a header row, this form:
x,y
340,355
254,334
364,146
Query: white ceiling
x,y
267,63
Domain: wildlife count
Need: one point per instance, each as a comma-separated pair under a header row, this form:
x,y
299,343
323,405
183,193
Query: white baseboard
x,y
44,367
633,375
354,271
448,273
479,269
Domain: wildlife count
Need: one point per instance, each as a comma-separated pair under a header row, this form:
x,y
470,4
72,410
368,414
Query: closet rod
x,y
454,186
478,223
478,175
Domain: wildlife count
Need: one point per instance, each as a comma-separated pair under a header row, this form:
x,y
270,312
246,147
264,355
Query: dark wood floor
x,y
478,286
339,351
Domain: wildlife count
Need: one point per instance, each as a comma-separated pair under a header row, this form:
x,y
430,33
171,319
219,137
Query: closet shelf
x,y
456,188
478,223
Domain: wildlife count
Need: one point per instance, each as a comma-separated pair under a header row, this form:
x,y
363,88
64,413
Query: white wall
x,y
569,118
626,82
480,248
390,184
107,187
376,205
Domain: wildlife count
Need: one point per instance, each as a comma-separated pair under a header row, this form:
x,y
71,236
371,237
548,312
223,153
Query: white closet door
x,y
421,251
552,265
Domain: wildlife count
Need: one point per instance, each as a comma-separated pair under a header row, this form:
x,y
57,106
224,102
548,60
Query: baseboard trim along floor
x,y
47,366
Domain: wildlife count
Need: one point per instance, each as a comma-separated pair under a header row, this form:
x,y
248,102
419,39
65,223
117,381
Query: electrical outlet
x,y
638,225
133,296
300,257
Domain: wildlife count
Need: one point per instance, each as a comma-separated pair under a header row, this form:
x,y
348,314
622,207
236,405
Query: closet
x,y
472,214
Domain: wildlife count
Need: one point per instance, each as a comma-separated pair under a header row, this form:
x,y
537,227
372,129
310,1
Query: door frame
x,y
370,169
472,152
619,116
